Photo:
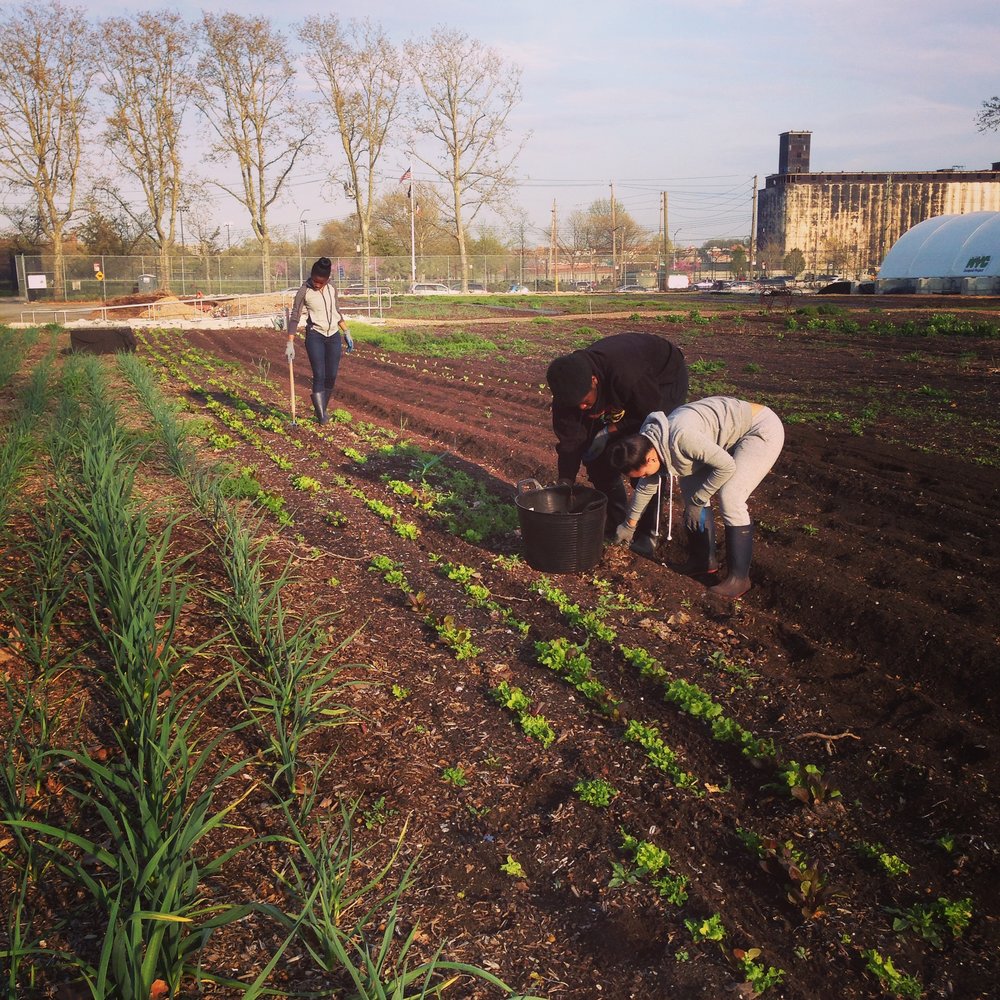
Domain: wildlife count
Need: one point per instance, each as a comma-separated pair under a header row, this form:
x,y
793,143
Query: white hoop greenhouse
x,y
949,254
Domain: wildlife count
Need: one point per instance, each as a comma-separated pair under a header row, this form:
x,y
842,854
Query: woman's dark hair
x,y
629,453
322,268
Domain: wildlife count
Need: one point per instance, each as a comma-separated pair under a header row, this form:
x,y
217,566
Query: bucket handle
x,y
526,485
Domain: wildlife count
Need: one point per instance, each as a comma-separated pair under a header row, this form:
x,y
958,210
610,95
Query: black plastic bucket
x,y
562,526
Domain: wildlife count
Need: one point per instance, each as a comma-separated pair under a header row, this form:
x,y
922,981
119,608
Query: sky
x,y
655,96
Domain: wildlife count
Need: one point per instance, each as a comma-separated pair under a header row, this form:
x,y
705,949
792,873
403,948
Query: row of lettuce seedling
x,y
649,862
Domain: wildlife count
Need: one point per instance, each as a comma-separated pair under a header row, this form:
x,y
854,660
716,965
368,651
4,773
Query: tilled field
x,y
817,760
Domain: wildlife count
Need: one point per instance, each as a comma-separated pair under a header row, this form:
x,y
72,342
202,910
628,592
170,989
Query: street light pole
x,y
302,242
180,212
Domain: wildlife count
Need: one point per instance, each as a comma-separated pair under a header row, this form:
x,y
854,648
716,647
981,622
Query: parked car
x,y
518,289
584,286
355,288
474,286
632,288
703,286
430,288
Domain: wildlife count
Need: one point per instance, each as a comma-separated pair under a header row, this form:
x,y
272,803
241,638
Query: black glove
x,y
597,446
696,518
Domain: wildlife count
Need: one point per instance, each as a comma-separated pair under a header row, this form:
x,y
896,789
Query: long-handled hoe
x,y
291,379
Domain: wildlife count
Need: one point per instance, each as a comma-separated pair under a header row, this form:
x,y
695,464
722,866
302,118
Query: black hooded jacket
x,y
635,375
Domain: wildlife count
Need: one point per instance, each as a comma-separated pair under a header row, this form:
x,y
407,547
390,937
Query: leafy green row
x,y
516,701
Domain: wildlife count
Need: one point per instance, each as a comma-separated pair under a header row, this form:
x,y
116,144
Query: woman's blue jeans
x,y
324,356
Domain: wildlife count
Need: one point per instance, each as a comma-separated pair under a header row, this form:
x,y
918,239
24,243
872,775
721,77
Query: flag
x,y
405,177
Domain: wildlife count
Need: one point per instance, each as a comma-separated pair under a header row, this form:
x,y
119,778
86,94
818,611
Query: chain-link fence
x,y
105,278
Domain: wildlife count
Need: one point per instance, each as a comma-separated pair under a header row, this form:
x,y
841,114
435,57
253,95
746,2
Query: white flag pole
x,y
413,245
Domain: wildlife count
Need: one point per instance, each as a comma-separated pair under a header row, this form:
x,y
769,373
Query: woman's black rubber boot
x,y
701,556
319,405
617,505
644,544
739,552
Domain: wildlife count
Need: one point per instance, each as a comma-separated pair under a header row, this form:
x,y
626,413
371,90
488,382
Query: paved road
x,y
11,309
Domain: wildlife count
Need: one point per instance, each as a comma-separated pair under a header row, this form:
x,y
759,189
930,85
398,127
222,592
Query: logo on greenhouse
x,y
979,263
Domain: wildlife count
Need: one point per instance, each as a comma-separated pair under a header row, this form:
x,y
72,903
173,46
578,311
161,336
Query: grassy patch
x,y
453,344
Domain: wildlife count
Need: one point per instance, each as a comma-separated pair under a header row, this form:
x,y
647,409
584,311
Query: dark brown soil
x,y
867,647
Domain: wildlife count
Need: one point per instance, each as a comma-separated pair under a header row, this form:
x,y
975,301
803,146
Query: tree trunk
x,y
58,267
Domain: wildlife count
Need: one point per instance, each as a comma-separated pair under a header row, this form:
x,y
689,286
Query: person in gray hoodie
x,y
718,446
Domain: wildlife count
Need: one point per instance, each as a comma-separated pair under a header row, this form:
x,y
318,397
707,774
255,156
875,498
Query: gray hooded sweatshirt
x,y
693,444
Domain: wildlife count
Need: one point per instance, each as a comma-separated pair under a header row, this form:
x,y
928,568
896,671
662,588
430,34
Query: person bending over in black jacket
x,y
607,390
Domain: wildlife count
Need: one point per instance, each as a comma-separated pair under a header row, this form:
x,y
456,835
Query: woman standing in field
x,y
324,325
715,446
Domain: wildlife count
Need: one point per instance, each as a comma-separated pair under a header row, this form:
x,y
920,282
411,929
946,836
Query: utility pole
x,y
665,231
753,225
614,237
553,259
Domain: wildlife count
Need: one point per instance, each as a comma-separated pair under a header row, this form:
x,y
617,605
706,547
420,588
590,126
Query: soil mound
x,y
148,305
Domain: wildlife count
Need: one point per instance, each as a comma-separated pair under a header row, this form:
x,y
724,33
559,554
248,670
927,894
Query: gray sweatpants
x,y
754,455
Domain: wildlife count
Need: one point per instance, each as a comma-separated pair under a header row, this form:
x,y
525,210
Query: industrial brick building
x,y
845,223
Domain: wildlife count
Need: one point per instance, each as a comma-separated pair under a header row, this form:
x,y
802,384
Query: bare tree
x,y
362,75
989,117
27,230
246,92
146,60
467,94
46,69
391,224
600,229
111,228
